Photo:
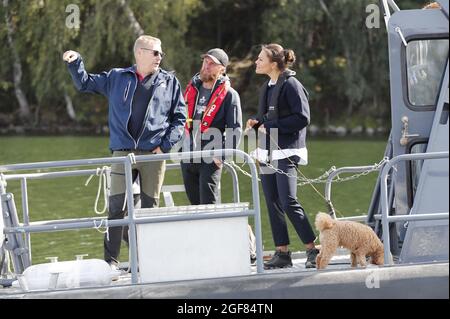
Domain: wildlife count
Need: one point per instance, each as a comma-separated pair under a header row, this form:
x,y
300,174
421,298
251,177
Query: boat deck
x,y
339,280
339,262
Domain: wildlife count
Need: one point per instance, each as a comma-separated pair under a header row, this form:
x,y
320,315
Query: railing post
x,y
26,215
385,213
385,219
131,220
236,196
257,214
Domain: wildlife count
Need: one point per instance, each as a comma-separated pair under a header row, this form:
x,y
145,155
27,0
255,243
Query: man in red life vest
x,y
214,122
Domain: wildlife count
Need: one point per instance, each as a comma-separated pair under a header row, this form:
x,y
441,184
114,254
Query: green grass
x,y
69,198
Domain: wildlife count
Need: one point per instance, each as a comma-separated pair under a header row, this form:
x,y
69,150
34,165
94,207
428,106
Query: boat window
x,y
416,168
426,60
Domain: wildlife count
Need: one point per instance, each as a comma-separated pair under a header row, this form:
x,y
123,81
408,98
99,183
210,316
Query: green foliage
x,y
338,57
342,63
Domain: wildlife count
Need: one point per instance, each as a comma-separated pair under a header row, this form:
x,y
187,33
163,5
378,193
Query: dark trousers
x,y
201,181
280,192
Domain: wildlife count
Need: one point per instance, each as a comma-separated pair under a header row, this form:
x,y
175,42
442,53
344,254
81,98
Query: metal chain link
x,y
244,172
303,180
318,180
376,167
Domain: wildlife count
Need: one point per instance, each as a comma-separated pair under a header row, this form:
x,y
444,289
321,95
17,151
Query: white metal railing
x,y
385,218
131,220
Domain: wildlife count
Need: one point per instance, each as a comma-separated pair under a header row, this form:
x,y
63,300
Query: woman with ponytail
x,y
283,115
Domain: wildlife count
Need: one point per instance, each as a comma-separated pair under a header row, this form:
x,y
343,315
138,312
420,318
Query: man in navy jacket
x,y
147,115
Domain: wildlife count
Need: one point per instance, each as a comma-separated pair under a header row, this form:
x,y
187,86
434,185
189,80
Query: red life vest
x,y
214,104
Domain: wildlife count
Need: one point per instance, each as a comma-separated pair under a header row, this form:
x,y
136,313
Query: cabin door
x,y
418,57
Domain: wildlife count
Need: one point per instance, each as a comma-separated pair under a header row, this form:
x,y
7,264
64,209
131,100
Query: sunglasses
x,y
155,52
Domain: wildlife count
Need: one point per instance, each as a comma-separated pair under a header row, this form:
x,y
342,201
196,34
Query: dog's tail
x,y
323,221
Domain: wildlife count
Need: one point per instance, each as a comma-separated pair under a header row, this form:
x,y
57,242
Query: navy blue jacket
x,y
164,121
294,114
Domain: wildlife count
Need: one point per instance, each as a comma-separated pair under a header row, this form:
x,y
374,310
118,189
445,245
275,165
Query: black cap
x,y
218,56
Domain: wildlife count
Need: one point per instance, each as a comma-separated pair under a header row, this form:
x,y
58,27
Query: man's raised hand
x,y
70,56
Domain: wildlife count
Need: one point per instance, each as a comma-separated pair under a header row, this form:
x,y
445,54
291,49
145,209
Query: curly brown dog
x,y
358,238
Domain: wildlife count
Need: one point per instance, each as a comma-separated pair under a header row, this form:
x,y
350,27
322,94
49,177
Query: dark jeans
x,y
280,192
201,181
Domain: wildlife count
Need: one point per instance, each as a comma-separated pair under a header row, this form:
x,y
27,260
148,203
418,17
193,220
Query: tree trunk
x,y
137,28
69,107
24,108
325,9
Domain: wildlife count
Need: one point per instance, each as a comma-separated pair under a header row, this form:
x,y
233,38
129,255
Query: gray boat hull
x,y
400,281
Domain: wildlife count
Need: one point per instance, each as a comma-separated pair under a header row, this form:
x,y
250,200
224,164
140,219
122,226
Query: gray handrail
x,y
234,176
385,218
103,222
59,174
51,175
336,172
131,221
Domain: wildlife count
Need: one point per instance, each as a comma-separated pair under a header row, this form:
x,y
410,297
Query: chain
x,y
318,180
244,172
303,180
375,167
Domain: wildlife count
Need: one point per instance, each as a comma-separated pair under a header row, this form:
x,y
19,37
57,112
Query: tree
x,y
134,24
24,108
341,62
